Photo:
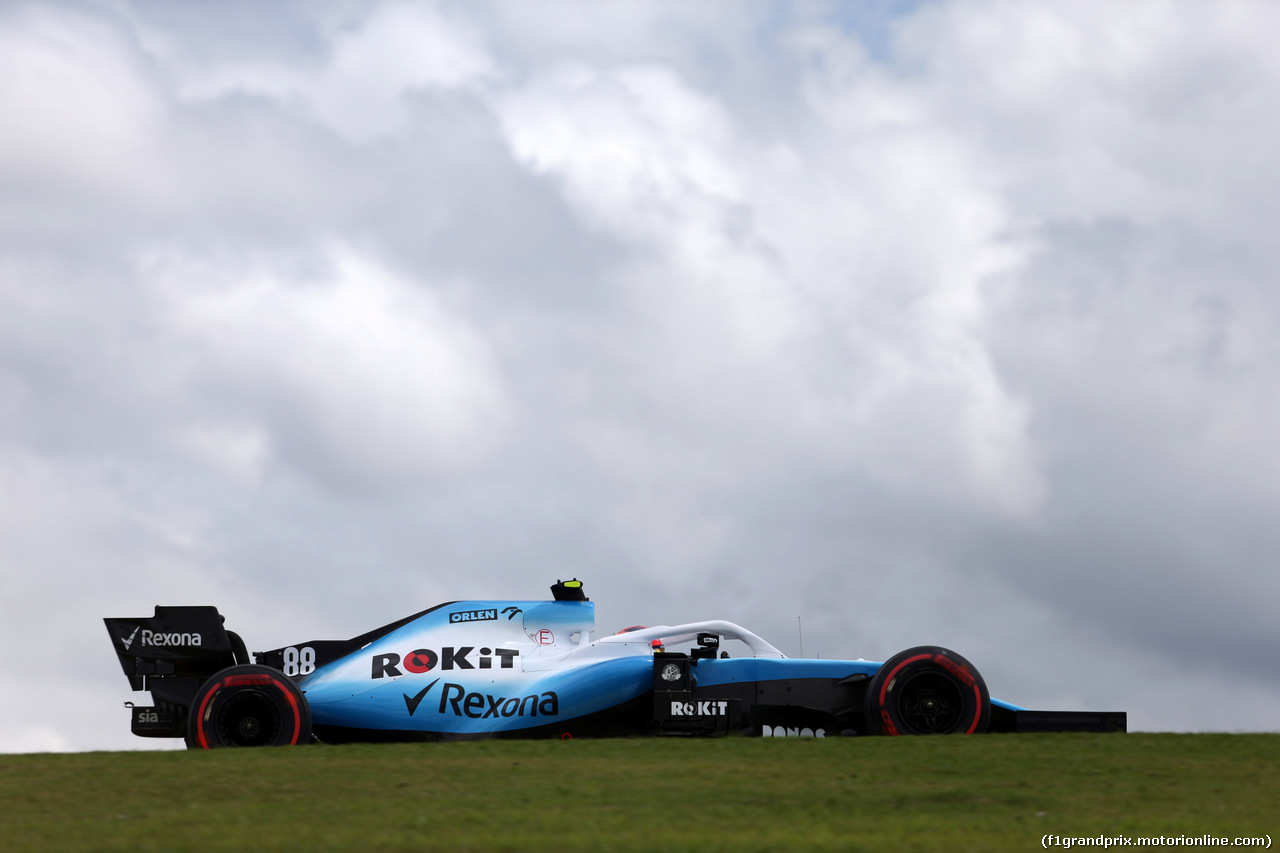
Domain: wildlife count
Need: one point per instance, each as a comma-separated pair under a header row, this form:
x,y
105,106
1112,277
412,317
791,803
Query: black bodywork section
x,y
330,650
829,706
681,707
1004,720
171,654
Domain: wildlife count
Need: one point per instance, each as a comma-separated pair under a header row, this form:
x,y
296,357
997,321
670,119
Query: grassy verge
x,y
994,792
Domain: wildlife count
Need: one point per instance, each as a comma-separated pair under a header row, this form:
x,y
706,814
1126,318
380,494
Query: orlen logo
x,y
488,614
473,616
419,661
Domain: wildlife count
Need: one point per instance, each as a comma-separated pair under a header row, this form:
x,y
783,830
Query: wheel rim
x,y
930,703
249,718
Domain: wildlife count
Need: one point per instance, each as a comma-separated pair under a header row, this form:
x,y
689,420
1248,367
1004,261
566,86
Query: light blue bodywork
x,y
498,666
480,667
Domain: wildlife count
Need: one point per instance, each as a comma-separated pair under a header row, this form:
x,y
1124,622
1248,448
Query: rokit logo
x,y
419,661
155,638
700,708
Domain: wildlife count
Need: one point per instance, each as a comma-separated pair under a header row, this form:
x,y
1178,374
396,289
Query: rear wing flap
x,y
175,641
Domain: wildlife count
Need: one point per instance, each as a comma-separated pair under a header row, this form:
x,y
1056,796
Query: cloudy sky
x,y
863,325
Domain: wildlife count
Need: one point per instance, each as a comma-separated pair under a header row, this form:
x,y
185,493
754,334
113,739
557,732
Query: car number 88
x,y
299,661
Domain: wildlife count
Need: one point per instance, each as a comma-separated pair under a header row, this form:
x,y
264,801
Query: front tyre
x,y
927,690
248,705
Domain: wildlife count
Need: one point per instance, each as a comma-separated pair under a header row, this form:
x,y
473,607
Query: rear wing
x,y
172,653
175,642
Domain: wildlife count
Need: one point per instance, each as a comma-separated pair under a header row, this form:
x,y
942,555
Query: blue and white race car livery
x,y
527,669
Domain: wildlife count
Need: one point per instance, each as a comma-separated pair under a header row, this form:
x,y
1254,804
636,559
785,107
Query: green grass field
x,y
993,792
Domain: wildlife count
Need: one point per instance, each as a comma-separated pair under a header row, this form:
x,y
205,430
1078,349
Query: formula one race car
x,y
527,669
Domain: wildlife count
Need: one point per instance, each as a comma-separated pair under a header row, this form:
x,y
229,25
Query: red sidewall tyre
x,y
248,705
927,690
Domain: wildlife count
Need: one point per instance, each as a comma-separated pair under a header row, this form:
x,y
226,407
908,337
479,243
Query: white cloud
x,y
638,151
78,106
362,86
1155,110
377,379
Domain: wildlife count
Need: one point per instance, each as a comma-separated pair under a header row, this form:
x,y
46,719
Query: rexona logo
x,y
155,638
473,616
701,708
481,706
419,661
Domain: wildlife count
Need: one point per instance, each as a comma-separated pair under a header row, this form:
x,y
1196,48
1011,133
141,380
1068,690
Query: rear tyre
x,y
927,690
248,705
